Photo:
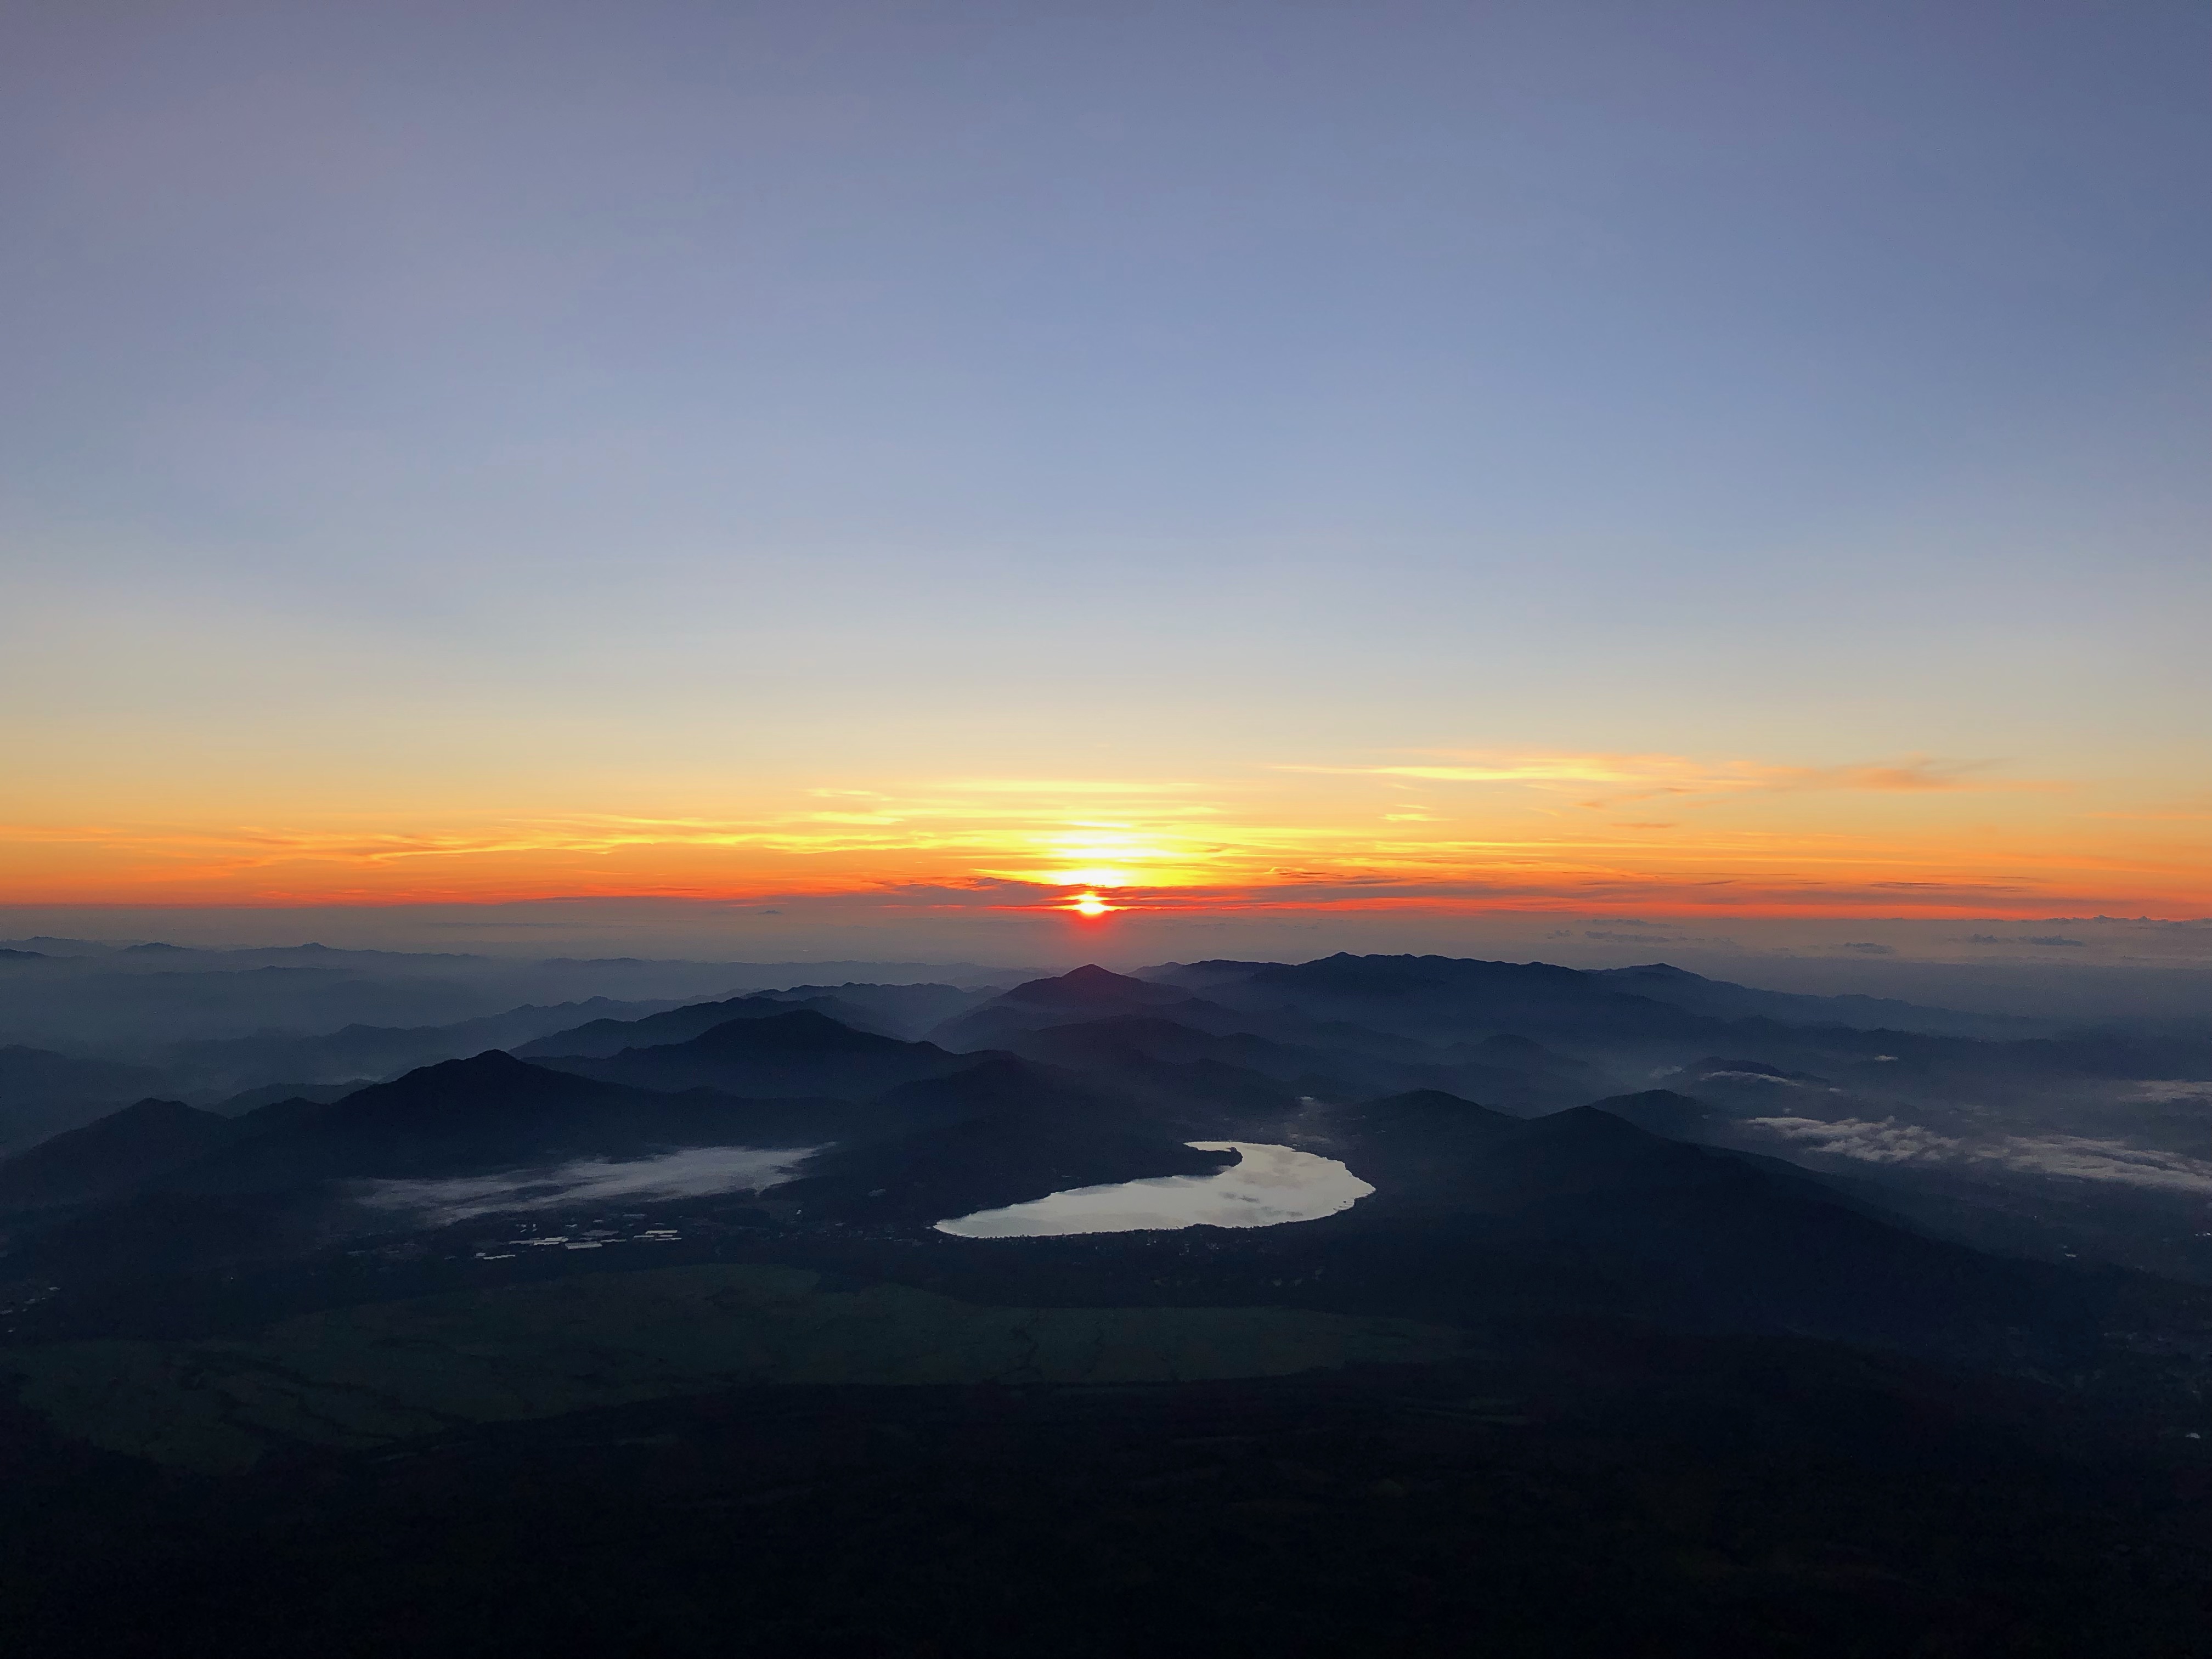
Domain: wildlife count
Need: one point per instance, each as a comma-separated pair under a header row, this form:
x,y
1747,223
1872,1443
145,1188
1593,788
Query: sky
x,y
1365,468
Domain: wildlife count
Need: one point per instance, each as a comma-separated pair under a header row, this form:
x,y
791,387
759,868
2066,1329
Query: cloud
x,y
2071,1158
1644,777
1925,888
1885,1142
1163,846
1637,939
1868,948
2078,1158
975,892
2166,1091
694,1172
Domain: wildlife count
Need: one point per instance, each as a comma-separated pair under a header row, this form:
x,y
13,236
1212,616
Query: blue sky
x,y
559,407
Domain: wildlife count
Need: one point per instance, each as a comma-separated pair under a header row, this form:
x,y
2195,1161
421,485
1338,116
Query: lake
x,y
1266,1187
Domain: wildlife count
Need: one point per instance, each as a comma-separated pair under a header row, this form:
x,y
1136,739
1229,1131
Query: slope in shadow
x,y
801,1052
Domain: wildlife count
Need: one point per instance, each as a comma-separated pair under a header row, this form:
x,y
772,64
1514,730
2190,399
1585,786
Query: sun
x,y
1090,904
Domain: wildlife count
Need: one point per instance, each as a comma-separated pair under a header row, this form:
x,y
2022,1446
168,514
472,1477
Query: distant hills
x,y
1722,1000
602,1039
80,995
1535,1135
898,1010
1553,993
776,1053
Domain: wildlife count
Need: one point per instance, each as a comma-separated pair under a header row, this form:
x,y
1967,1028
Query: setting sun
x,y
1089,905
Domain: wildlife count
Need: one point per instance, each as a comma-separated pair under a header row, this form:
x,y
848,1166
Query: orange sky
x,y
1428,832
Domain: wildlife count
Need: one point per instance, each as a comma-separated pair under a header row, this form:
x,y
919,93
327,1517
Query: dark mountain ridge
x,y
484,1114
1695,994
217,1069
603,1039
787,1051
1446,1001
1088,992
1454,998
1725,1000
1585,1209
111,1156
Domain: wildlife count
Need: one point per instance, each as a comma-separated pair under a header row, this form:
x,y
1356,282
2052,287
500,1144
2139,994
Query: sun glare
x,y
1089,905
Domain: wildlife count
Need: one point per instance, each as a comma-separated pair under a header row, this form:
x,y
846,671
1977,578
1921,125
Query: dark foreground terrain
x,y
1609,1492
648,1342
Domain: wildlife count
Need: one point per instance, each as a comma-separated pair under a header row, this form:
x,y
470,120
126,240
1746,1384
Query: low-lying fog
x,y
2074,1157
1265,1187
691,1172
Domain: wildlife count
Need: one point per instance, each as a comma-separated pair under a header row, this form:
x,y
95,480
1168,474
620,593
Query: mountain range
x,y
1601,1196
1684,1259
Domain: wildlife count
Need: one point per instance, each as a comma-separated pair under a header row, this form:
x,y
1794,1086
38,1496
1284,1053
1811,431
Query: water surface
x,y
1266,1187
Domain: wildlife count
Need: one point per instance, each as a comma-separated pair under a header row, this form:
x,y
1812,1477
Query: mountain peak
x,y
493,1080
800,1029
1091,986
492,1063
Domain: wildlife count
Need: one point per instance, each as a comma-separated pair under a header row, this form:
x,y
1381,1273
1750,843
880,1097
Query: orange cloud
x,y
1642,777
1911,835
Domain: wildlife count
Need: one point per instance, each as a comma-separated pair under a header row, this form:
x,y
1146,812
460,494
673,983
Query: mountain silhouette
x,y
1721,999
1454,998
1089,988
489,1113
1088,992
112,1156
1117,1038
1419,1117
605,1038
1583,1210
790,1052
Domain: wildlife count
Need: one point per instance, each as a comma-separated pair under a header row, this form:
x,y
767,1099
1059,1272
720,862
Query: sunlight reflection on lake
x,y
1265,1187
